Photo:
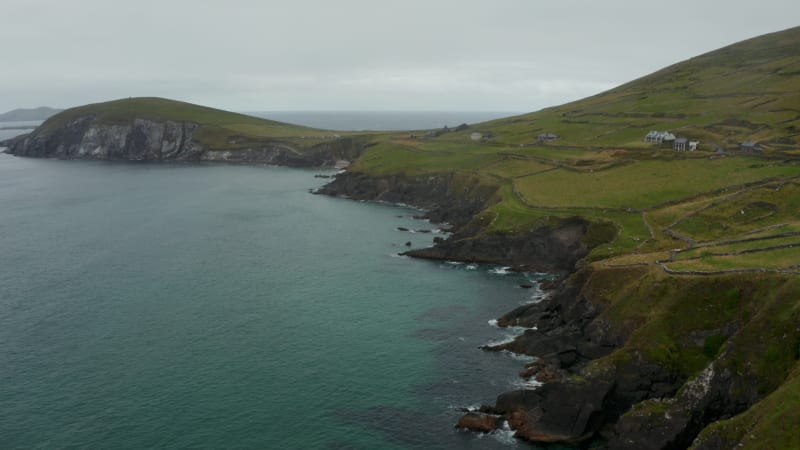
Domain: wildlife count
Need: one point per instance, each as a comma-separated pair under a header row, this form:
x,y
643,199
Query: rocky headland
x,y
149,129
608,383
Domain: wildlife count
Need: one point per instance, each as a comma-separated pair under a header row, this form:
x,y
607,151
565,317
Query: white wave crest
x,y
520,357
504,435
500,270
529,384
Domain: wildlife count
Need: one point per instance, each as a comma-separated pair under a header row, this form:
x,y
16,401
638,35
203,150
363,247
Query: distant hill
x,y
26,114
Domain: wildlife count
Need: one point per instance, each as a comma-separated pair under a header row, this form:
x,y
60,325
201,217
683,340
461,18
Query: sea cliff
x,y
152,129
631,357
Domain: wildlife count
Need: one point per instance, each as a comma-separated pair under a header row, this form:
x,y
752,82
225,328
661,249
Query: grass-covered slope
x,y
602,169
746,91
703,271
218,129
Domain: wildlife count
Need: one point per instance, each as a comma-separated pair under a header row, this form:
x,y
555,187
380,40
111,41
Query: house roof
x,y
748,144
681,141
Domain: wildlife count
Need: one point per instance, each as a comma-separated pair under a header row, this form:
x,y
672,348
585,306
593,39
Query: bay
x,y
209,306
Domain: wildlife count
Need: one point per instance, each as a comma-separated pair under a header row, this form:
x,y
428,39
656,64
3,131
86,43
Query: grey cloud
x,y
356,54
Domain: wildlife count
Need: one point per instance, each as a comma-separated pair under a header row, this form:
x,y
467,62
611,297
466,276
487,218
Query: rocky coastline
x,y
596,392
561,331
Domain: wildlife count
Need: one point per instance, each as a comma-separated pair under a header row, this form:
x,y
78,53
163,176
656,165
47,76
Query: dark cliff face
x,y
458,201
445,198
149,140
84,137
550,248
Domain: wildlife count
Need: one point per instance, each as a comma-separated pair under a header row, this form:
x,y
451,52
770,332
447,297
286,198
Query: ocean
x,y
381,120
148,305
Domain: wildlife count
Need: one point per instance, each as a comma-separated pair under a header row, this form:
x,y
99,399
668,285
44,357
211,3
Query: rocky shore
x,y
562,331
604,384
629,357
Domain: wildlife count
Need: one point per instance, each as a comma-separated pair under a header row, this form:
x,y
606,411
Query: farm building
x,y
680,144
658,137
547,137
476,136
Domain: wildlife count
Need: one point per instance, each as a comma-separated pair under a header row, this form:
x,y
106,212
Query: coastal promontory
x,y
156,129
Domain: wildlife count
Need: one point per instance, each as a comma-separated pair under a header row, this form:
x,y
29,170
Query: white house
x,y
476,136
658,137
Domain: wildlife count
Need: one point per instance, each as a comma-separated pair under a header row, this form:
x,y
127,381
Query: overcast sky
x,y
243,55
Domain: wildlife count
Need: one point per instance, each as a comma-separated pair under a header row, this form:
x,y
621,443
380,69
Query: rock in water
x,y
483,423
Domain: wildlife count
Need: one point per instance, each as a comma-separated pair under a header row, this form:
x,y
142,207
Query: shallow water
x,y
209,306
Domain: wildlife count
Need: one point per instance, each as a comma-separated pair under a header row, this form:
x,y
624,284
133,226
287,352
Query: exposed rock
x,y
548,248
483,423
85,137
542,371
446,198
559,412
526,285
548,285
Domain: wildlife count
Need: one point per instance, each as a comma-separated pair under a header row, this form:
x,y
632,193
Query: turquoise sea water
x,y
219,306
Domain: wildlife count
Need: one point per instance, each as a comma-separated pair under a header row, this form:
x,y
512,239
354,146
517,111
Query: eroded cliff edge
x,y
631,357
141,139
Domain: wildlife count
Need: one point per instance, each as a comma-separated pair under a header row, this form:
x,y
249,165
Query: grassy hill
x,y
746,91
705,263
601,168
219,129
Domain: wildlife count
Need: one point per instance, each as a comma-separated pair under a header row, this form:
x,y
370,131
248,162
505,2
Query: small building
x,y
680,144
547,137
476,136
693,145
657,137
750,146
